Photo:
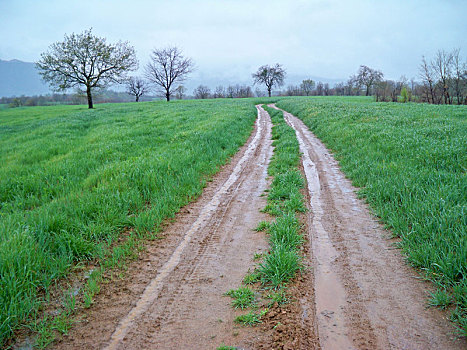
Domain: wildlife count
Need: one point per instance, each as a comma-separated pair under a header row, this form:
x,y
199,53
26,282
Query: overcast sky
x,y
229,39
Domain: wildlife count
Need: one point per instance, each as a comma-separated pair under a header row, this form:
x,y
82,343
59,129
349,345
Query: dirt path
x,y
366,296
174,299
363,294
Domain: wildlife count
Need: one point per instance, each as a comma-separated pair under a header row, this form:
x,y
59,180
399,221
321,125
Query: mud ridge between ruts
x,y
366,296
172,297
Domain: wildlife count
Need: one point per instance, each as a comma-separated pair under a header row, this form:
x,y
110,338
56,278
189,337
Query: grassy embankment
x,y
266,285
409,161
73,180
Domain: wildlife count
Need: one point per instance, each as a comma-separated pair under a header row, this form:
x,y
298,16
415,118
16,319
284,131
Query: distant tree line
x,y
443,81
444,78
231,91
87,62
76,98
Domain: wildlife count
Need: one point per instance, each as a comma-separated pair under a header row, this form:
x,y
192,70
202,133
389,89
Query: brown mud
x,y
366,296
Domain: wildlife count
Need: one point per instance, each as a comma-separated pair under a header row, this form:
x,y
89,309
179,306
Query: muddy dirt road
x,y
366,296
363,295
174,297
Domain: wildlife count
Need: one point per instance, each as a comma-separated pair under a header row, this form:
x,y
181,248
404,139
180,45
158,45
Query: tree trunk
x,y
137,98
167,96
367,90
88,92
269,92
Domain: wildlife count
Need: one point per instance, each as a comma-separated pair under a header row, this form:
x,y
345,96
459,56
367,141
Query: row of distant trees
x,y
443,81
77,97
87,61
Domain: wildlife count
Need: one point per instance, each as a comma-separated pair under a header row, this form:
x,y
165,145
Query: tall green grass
x,y
72,180
409,161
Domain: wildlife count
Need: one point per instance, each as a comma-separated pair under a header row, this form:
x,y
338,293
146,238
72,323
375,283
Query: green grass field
x,y
72,180
409,161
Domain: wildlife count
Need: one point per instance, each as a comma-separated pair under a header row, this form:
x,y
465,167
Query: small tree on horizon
x,y
367,77
270,76
85,59
180,92
202,92
307,86
167,67
137,87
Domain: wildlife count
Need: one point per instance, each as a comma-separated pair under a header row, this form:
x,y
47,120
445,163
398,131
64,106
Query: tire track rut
x,y
213,257
175,300
366,296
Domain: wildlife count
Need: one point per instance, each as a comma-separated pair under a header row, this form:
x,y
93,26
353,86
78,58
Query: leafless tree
x,y
293,90
340,89
219,92
230,91
167,67
202,92
319,89
460,76
244,91
427,76
442,66
137,87
307,86
367,77
270,76
85,59
238,91
180,92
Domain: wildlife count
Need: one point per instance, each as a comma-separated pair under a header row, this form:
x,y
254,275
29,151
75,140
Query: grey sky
x,y
230,39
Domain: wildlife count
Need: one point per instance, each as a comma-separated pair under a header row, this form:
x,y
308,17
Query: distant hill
x,y
20,78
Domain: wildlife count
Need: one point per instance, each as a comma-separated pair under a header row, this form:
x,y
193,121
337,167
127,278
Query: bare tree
x,y
202,92
339,88
307,86
460,76
137,87
270,76
85,59
167,67
428,79
442,66
180,92
293,90
219,92
367,77
320,89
